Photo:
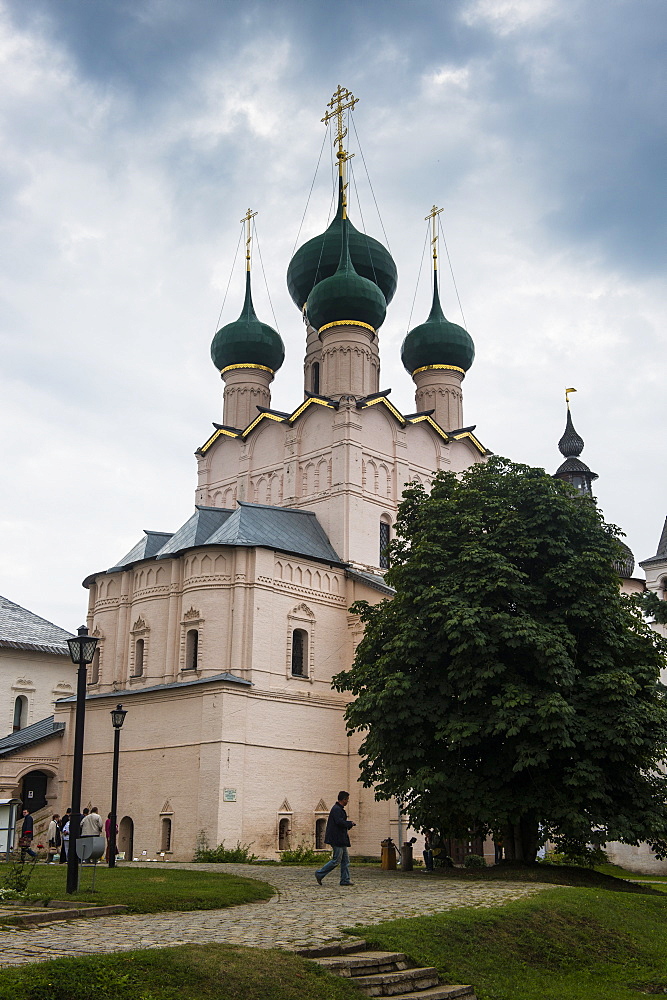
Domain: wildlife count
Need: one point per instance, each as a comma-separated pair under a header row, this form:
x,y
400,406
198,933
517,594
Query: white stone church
x,y
222,638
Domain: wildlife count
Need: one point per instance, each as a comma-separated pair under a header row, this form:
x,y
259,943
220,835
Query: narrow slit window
x,y
138,658
192,649
95,668
384,545
20,713
316,377
299,651
165,839
283,834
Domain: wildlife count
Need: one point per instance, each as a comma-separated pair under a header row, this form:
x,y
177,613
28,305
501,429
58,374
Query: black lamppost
x,y
82,650
117,719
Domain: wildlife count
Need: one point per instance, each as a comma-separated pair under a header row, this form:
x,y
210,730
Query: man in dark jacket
x,y
27,833
338,838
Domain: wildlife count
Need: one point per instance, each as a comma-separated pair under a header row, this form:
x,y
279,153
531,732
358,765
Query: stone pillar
x,y
246,388
439,389
350,361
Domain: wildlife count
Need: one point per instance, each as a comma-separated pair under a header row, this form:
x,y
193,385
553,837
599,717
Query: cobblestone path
x,y
301,913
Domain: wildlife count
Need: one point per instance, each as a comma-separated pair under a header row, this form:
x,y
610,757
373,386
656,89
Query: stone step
x,y
390,984
45,915
365,963
440,993
329,948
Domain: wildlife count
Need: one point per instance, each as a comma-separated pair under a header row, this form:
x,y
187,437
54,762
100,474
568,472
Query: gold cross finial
x,y
246,219
432,215
342,101
567,396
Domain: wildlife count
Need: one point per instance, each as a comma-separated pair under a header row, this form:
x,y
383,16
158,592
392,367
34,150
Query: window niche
x,y
191,640
94,676
320,831
191,649
284,833
138,648
20,713
165,833
300,629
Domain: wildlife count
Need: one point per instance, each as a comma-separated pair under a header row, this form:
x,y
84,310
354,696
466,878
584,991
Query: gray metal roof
x,y
196,531
119,695
149,545
21,629
371,580
661,554
31,734
282,528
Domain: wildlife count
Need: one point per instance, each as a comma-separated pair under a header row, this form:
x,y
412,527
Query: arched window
x,y
316,377
192,649
320,830
95,668
283,834
138,658
20,713
299,652
384,544
165,834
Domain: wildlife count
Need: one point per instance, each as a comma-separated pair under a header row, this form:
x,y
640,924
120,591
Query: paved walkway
x,y
302,913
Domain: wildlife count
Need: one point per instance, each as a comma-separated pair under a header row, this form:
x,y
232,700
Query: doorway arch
x,y
126,837
33,790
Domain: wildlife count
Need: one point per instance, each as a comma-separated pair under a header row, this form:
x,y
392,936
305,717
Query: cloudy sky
x,y
134,135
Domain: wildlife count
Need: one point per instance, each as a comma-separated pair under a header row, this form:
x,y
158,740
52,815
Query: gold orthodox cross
x,y
342,100
248,237
432,215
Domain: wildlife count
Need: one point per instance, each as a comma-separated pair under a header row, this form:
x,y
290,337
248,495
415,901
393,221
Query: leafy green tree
x,y
653,607
508,687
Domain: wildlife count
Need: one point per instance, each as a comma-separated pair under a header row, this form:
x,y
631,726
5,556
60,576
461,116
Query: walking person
x,y
27,833
64,838
53,838
107,834
338,838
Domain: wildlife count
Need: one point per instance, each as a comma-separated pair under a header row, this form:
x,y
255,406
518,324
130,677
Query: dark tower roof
x,y
573,470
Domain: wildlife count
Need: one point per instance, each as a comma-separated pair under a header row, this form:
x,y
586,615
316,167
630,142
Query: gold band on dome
x,y
429,368
261,368
347,322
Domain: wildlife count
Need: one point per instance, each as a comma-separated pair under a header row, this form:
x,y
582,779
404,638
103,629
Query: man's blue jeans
x,y
340,857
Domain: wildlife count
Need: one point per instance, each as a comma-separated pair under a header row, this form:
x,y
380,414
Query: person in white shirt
x,y
92,825
53,837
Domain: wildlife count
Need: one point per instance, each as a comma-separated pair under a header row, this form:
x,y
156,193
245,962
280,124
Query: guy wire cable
x,y
363,224
421,264
370,184
317,167
451,271
236,253
259,252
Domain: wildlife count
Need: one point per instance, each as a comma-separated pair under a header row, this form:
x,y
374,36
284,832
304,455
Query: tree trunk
x,y
520,839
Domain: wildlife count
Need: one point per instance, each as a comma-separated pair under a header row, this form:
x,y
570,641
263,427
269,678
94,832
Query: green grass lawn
x,y
148,890
619,872
548,874
565,944
189,972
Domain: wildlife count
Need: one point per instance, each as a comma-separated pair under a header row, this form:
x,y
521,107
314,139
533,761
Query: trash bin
x,y
388,855
406,856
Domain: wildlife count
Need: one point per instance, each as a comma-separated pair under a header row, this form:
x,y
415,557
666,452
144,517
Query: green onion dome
x,y
346,297
247,341
318,259
437,341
